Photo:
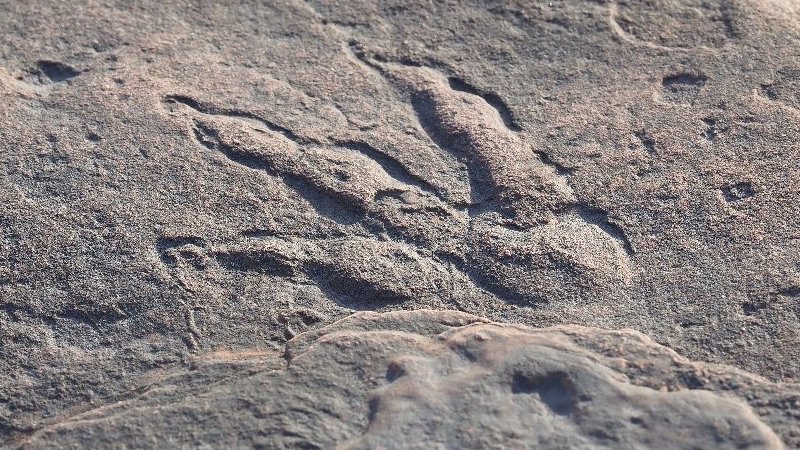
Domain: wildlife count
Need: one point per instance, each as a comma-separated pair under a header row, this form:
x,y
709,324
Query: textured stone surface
x,y
180,179
436,379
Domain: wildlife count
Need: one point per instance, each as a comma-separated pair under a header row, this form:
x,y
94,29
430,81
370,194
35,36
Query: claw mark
x,y
600,219
548,161
284,162
494,100
211,110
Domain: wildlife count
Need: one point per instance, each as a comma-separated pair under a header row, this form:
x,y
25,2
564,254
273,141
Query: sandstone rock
x,y
440,379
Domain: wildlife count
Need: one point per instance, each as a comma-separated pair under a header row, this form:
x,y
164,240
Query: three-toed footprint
x,y
523,236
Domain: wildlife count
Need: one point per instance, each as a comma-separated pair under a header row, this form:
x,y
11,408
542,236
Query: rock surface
x,y
437,379
184,179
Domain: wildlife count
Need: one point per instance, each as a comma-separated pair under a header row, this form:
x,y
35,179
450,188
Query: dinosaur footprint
x,y
522,238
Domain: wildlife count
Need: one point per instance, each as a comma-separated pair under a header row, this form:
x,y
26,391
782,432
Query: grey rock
x,y
439,379
184,178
